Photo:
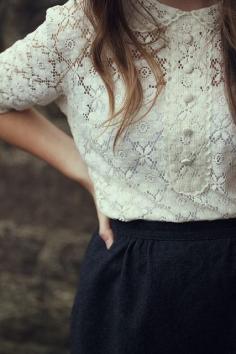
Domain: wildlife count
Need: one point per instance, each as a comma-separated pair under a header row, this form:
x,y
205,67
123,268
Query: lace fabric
x,y
158,12
176,164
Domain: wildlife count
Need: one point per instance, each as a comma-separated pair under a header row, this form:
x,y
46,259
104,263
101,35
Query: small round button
x,y
187,38
188,98
188,68
187,162
188,132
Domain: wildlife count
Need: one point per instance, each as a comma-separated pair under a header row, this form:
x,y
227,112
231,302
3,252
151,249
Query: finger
x,y
104,222
109,243
105,232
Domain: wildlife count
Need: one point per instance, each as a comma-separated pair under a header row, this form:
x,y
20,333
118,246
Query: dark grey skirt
x,y
162,288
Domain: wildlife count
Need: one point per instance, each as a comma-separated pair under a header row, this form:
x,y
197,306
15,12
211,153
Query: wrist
x,y
88,185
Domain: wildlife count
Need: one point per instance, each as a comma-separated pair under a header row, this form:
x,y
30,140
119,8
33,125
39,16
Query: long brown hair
x,y
111,33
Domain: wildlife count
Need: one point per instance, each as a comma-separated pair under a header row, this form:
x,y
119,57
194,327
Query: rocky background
x,y
46,221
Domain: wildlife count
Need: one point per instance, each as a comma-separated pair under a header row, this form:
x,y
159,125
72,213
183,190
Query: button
x,y
187,38
188,132
188,98
187,162
188,68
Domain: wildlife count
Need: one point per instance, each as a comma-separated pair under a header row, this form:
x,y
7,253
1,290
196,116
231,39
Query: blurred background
x,y
46,221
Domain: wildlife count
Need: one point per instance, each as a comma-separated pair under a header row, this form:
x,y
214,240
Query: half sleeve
x,y
30,70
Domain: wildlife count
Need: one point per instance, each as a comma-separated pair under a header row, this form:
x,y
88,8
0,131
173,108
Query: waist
x,y
155,229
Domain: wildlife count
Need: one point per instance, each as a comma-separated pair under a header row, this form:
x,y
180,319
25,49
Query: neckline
x,y
165,14
172,9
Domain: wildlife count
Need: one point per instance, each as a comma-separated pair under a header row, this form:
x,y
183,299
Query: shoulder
x,y
68,10
68,26
69,16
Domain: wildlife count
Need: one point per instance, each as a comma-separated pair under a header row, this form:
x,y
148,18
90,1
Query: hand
x,y
105,230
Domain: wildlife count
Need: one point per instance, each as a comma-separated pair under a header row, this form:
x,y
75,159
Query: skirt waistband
x,y
156,229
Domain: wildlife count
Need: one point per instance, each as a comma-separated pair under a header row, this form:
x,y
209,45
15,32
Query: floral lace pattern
x,y
176,164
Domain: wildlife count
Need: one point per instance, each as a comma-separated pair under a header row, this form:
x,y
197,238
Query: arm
x,y
31,131
34,71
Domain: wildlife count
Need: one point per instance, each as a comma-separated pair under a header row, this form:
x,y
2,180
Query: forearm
x,y
31,131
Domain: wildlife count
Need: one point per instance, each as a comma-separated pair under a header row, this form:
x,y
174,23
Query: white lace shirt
x,y
178,163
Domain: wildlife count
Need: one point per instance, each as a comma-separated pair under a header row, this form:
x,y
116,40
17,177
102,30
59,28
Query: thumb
x,y
105,230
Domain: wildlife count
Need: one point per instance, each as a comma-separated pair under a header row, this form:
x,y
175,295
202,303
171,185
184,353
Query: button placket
x,y
188,68
188,131
187,38
188,98
188,161
186,136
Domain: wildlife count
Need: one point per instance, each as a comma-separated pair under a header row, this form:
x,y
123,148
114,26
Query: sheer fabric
x,y
176,164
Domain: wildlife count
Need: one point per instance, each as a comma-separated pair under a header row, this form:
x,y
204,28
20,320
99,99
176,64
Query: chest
x,y
189,132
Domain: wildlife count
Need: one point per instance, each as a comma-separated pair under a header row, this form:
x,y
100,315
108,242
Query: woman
x,y
159,273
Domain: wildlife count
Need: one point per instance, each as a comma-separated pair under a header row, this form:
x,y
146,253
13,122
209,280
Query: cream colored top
x,y
176,164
